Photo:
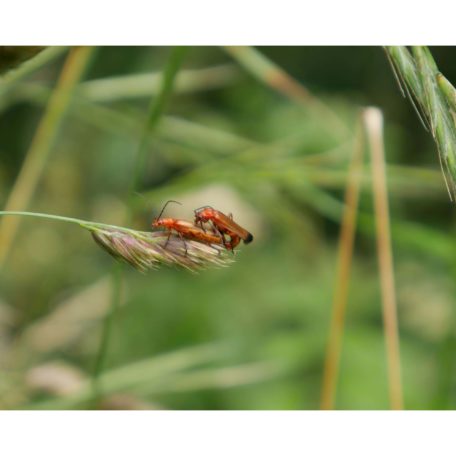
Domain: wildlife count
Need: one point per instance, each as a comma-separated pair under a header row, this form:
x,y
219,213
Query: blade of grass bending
x,y
156,109
196,137
142,249
115,122
40,148
345,256
143,372
275,77
12,57
373,121
31,65
212,378
144,85
83,223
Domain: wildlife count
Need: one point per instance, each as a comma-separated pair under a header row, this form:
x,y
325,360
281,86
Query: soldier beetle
x,y
224,224
186,230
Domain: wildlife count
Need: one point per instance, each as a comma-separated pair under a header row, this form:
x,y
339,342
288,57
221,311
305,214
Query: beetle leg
x,y
230,245
185,244
225,243
167,240
199,222
222,236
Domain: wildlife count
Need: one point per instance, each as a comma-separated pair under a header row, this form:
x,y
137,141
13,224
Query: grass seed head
x,y
418,73
150,250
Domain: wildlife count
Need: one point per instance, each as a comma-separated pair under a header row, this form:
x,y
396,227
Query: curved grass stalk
x,y
170,127
29,66
275,77
61,218
344,259
144,250
156,109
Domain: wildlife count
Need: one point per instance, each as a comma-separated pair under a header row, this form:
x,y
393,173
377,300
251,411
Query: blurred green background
x,y
251,335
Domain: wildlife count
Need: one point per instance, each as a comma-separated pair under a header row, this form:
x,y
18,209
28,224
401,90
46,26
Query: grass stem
x,y
83,223
116,296
26,68
145,85
373,121
156,110
345,256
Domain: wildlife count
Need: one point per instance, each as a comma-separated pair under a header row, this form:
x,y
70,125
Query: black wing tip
x,y
248,239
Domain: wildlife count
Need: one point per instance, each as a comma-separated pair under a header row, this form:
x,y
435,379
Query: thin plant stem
x,y
145,250
373,121
116,296
275,77
145,85
40,148
31,65
41,215
60,218
156,109
345,256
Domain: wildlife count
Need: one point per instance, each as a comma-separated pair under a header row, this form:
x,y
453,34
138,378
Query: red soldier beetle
x,y
224,224
186,230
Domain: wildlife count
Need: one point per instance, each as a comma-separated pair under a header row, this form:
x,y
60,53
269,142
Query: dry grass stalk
x,y
373,121
345,255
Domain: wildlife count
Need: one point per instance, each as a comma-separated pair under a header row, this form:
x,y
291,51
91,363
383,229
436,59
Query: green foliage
x,y
251,335
12,56
421,75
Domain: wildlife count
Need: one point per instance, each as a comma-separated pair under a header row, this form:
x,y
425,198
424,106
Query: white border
x,y
202,22
227,433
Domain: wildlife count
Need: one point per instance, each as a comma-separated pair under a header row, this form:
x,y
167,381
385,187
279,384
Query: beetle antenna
x,y
202,207
164,207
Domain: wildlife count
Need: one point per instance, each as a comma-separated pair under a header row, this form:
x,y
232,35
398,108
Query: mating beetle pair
x,y
222,226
